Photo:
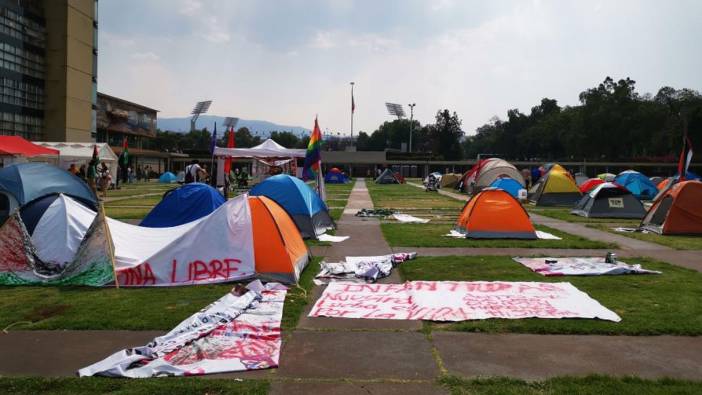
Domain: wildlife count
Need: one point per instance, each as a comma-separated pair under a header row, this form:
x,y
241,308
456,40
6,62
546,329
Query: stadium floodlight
x,y
395,110
230,122
200,108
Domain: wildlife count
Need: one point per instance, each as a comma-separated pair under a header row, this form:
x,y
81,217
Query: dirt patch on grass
x,y
41,313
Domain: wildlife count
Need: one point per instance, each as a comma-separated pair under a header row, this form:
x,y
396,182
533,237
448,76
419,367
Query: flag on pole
x,y
313,157
353,102
213,143
231,143
125,151
685,156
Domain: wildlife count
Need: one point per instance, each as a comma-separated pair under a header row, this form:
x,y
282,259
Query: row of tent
x,y
56,235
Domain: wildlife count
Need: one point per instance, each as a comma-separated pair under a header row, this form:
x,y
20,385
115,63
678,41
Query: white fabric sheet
x,y
406,218
332,238
540,234
572,266
458,301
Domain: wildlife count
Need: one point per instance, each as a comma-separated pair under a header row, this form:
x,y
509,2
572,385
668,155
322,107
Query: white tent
x,y
81,153
267,149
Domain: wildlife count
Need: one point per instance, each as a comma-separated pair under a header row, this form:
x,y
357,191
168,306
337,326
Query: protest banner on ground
x,y
572,266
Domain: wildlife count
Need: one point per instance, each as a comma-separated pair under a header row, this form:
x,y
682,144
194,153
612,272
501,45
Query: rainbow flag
x,y
313,159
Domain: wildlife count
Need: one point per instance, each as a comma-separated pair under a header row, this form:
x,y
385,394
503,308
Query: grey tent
x,y
609,200
387,177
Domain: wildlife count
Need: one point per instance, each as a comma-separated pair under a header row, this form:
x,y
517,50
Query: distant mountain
x,y
257,128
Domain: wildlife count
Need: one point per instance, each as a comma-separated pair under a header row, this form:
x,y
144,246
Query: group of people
x,y
97,175
195,172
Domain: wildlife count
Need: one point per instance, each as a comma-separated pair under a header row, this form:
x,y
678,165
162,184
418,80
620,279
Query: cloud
x,y
190,7
147,56
323,40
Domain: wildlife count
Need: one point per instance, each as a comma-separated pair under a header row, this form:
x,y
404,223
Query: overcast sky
x,y
286,60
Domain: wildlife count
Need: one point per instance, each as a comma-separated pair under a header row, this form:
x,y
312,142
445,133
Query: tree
x,y
285,138
446,136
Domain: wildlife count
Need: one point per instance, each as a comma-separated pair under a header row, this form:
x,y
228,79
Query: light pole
x,y
411,106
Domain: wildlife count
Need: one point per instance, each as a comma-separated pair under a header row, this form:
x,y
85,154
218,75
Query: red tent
x,y
17,146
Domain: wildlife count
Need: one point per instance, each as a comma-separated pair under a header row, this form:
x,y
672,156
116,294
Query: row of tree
x,y
198,142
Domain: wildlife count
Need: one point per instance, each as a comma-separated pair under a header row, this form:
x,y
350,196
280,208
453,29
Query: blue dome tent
x,y
182,205
335,176
509,185
167,178
307,210
638,184
25,182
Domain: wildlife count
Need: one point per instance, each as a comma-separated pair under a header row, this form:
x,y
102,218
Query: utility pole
x,y
411,106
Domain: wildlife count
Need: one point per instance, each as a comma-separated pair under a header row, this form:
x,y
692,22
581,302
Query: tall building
x,y
48,69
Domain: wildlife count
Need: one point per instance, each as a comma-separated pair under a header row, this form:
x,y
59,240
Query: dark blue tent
x,y
335,177
167,178
182,205
638,184
307,210
509,185
29,181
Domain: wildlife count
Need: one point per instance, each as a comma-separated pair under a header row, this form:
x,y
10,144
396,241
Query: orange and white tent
x,y
677,211
495,214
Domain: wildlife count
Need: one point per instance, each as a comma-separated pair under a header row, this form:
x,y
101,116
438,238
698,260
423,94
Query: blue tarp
x,y
335,177
291,193
638,184
30,181
509,185
167,178
182,205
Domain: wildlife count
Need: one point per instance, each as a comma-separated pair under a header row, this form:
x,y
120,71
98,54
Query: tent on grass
x,y
24,182
74,245
387,177
638,184
555,188
299,200
609,200
486,171
167,178
449,180
494,214
182,205
588,185
400,178
335,176
678,211
509,185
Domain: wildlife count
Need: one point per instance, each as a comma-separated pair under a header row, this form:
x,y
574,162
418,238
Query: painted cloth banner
x,y
235,333
458,301
580,267
361,268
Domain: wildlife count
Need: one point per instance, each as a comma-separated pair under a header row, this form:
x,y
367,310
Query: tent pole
x,y
109,243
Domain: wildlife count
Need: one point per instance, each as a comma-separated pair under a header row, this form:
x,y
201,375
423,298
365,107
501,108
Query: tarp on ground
x,y
361,268
590,266
182,205
235,333
458,301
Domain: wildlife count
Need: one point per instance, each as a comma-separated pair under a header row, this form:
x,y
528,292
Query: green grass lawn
x,y
137,201
565,215
122,213
98,385
672,241
669,303
156,308
432,235
402,196
590,385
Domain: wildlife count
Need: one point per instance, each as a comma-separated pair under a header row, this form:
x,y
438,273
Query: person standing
x,y
195,173
92,173
82,172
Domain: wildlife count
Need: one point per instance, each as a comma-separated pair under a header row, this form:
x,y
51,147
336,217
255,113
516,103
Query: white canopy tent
x,y
267,154
81,153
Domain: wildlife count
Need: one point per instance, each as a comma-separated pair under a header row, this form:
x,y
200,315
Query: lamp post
x,y
411,106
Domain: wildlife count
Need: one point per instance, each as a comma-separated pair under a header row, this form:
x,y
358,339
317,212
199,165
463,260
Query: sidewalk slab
x,y
357,355
344,388
535,357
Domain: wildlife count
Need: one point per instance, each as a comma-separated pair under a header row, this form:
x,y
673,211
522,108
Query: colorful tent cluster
x,y
307,210
609,200
245,237
335,176
486,171
678,211
494,214
556,188
182,205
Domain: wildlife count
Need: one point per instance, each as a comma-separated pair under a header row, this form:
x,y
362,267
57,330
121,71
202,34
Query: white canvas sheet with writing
x,y
458,301
573,266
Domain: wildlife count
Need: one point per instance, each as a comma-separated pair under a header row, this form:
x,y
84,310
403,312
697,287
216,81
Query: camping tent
x,y
555,188
264,156
81,154
509,185
387,177
335,176
494,214
638,184
15,149
24,182
182,205
609,200
167,178
677,211
589,184
299,200
74,245
486,171
449,180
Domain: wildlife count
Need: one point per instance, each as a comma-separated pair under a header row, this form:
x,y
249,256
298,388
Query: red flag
x,y
231,143
685,157
353,103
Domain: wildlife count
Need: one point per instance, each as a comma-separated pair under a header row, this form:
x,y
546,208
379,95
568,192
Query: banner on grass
x,y
458,301
591,266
